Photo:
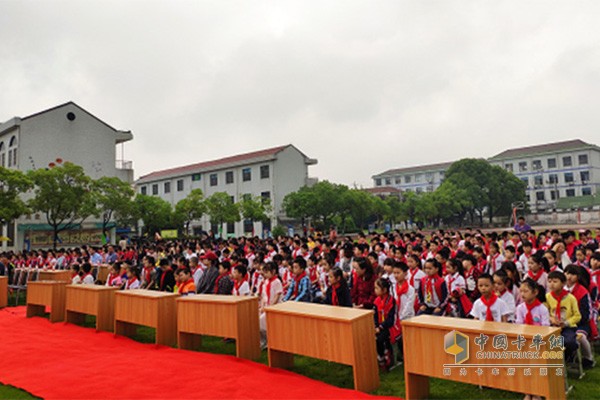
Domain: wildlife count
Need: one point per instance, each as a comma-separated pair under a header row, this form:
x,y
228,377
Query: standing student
x,y
564,312
241,287
385,315
415,274
433,295
338,293
489,307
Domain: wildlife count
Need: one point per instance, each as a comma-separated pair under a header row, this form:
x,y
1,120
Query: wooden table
x,y
339,334
3,291
95,300
234,317
55,275
449,348
102,273
150,308
42,294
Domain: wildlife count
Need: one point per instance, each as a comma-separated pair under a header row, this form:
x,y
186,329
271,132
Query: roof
x,y
245,158
383,190
420,168
544,148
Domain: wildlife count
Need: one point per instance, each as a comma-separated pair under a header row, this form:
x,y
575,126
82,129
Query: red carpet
x,y
64,361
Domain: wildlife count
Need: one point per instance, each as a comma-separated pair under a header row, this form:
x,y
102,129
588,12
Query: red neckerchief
x,y
493,261
386,299
502,292
236,285
558,298
334,295
554,268
131,282
111,279
163,275
148,273
429,282
596,275
412,277
451,279
400,291
217,282
183,285
297,280
268,289
535,276
489,303
529,316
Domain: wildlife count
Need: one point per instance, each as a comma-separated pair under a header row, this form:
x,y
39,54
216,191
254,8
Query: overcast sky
x,y
362,86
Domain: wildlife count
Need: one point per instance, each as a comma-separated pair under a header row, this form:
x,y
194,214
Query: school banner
x,y
66,238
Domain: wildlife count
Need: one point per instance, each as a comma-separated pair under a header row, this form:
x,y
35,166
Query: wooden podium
x,y
518,358
59,275
3,291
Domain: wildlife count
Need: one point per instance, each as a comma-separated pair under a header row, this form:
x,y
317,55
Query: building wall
x,y
426,180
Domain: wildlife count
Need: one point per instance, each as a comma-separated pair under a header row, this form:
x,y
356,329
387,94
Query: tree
x,y
356,206
191,208
113,198
255,209
63,195
222,209
154,212
12,184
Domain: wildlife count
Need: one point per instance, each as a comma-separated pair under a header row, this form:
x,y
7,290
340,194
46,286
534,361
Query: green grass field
x,y
392,383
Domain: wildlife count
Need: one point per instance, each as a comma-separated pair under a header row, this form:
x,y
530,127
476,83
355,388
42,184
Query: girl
x,y
385,315
459,304
532,310
363,288
495,259
538,266
338,293
577,281
114,276
433,295
241,287
415,274
514,278
133,278
75,277
271,292
501,282
550,255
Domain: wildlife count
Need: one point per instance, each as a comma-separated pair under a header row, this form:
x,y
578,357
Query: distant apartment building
x,y
270,173
63,133
550,171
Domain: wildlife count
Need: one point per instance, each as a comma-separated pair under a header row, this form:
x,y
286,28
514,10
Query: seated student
x,y
363,283
489,307
388,270
538,265
577,281
114,276
256,278
415,274
211,273
595,268
186,284
133,278
514,280
553,261
75,277
299,289
167,277
495,259
385,315
459,304
564,312
271,291
472,271
196,269
325,264
223,283
241,287
433,295
404,295
501,282
148,273
87,278
338,293
532,310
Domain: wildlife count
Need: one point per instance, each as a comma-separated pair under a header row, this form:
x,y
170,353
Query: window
x,y
442,174
246,196
180,185
398,180
525,180
264,172
569,177
378,182
538,180
583,159
167,187
196,177
567,162
419,190
144,190
508,167
229,177
553,179
537,165
586,191
430,188
418,178
407,179
539,196
2,155
230,228
213,180
12,152
554,194
155,189
570,192
552,163
523,166
388,181
585,176
232,198
246,174
248,226
265,196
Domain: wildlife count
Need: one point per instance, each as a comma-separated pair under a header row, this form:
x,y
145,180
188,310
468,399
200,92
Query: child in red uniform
x,y
385,315
433,295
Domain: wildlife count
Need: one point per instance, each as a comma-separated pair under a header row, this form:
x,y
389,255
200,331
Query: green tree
x,y
191,208
63,194
113,198
12,183
321,202
155,213
356,208
221,209
255,209
299,204
408,207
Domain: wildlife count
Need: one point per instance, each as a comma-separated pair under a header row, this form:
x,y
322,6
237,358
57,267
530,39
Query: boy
x,y
524,258
299,289
223,283
87,278
241,287
186,282
404,295
489,307
564,311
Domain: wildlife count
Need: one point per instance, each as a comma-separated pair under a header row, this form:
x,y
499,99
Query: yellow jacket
x,y
569,309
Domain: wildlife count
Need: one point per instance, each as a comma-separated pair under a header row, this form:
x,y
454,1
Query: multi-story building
x,y
552,171
424,178
63,133
270,173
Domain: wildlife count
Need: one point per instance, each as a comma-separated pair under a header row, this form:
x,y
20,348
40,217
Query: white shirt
x,y
243,290
88,280
499,308
509,299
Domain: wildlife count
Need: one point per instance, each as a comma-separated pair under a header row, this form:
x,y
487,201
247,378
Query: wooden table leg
x,y
35,310
247,345
57,311
417,386
75,317
104,324
166,334
125,328
280,359
189,341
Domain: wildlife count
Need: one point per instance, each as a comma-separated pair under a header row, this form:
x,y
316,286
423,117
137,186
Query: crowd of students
x,y
545,278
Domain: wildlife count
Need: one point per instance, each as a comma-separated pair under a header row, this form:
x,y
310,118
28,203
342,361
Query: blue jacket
x,y
303,290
